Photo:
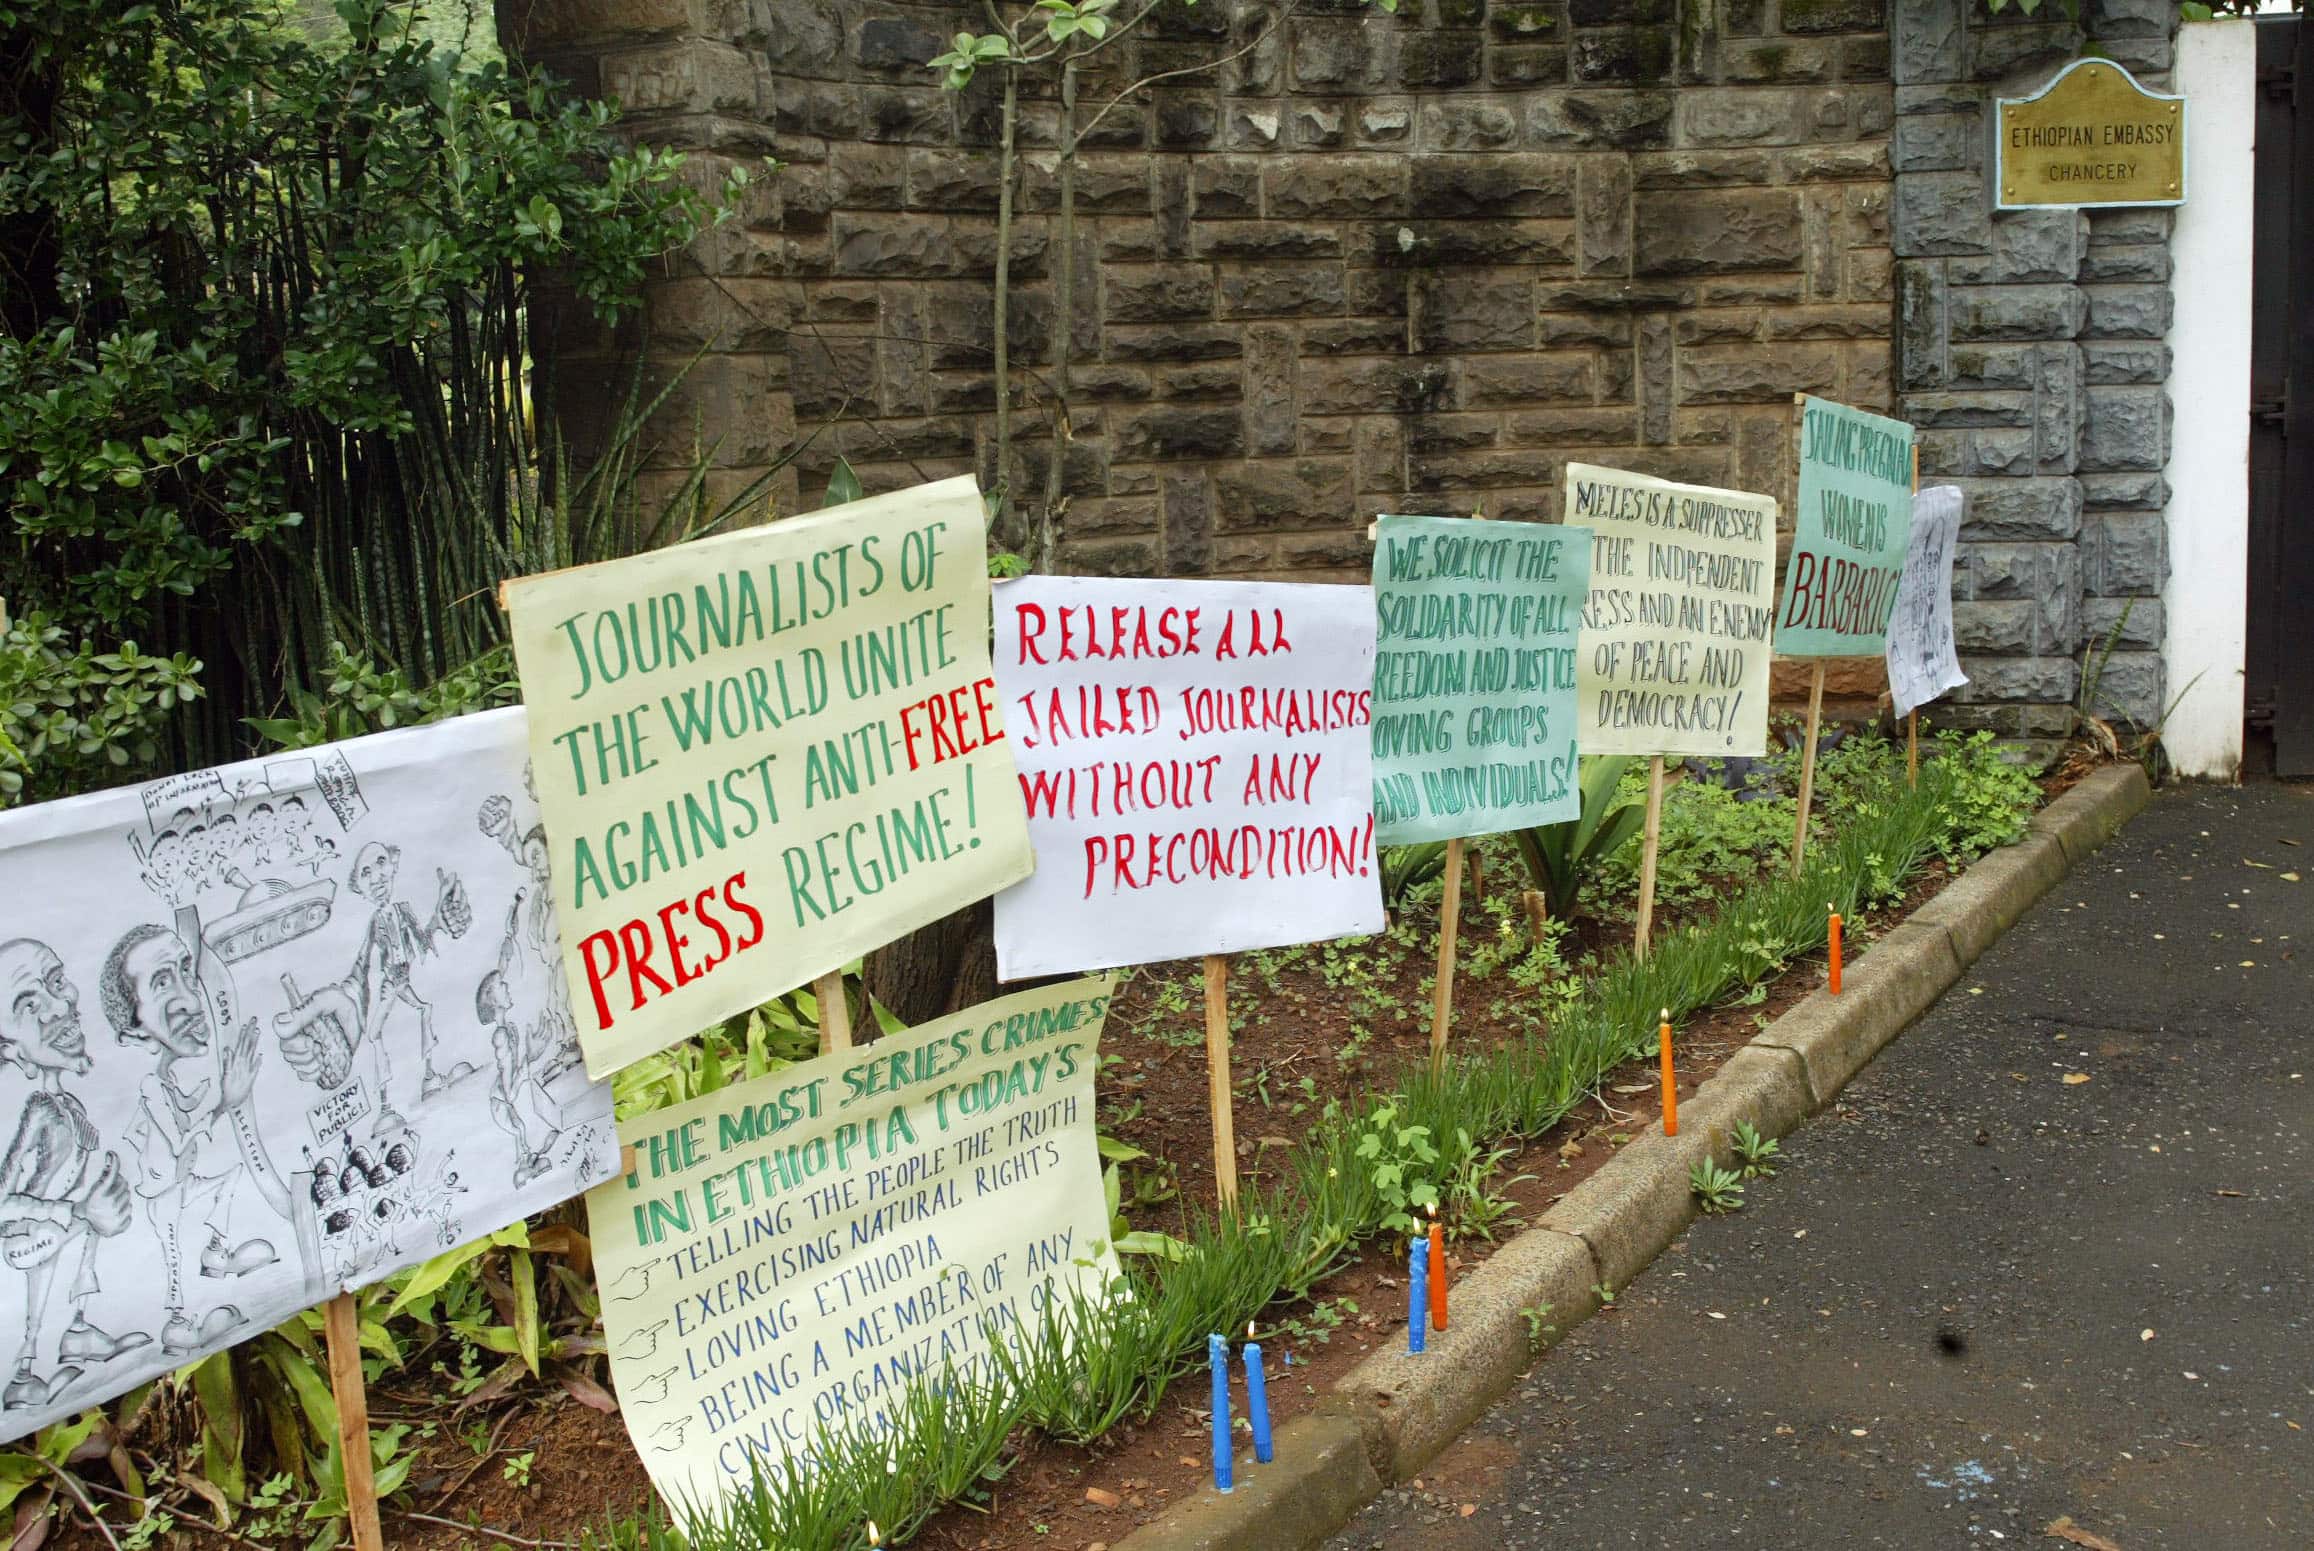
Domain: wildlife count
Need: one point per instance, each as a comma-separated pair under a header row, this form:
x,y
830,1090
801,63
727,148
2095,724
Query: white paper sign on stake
x,y
1197,766
1922,663
269,1032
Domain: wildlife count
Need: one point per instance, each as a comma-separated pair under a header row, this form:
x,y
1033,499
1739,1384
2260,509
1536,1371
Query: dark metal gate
x,y
2279,657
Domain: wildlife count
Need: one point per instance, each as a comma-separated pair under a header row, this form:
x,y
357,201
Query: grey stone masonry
x,y
1337,261
2030,352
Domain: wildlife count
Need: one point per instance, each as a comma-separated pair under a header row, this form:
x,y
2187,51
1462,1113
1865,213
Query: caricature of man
x,y
58,1194
390,950
189,1157
515,1085
529,849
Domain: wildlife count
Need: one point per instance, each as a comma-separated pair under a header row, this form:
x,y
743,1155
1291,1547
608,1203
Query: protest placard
x,y
1474,675
764,753
791,1255
1674,654
1196,762
281,1028
1852,516
1922,663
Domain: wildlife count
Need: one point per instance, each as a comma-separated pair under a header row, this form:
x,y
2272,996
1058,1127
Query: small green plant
x,y
1399,1161
1403,867
517,1468
1755,1154
1716,1189
1474,1202
1561,858
1605,1293
1537,1331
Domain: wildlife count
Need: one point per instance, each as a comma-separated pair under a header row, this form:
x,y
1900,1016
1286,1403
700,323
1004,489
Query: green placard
x,y
1474,675
1848,542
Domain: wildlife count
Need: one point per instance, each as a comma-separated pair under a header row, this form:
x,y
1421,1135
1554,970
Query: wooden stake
x,y
1538,911
1477,878
835,1012
1217,1079
1449,923
342,1323
1808,765
1653,833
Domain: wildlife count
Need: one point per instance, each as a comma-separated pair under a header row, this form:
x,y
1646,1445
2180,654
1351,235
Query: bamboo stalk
x,y
1217,1079
1808,765
1449,923
342,1325
835,1012
1652,834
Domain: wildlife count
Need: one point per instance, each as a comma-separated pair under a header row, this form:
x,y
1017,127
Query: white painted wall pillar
x,y
2206,597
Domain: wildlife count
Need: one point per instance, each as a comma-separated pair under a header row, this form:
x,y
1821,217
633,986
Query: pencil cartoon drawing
x,y
277,987
58,1194
517,1091
391,949
194,1134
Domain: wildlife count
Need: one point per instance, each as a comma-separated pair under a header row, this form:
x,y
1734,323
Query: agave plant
x,y
1562,857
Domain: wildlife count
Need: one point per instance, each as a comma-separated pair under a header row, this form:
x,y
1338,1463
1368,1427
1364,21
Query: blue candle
x,y
1417,1294
1257,1398
1217,1358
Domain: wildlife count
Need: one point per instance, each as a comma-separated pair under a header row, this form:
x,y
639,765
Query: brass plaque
x,y
2092,136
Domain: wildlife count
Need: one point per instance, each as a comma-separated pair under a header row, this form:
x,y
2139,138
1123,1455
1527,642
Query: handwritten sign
x,y
272,1031
791,1255
1474,675
1848,540
1674,655
763,754
1921,661
1196,764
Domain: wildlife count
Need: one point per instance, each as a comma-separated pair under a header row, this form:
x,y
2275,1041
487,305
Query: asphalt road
x,y
1979,1297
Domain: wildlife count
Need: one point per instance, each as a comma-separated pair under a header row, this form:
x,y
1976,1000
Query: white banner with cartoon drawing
x,y
268,1031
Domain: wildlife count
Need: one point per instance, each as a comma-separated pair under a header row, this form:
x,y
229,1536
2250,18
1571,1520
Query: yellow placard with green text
x,y
788,1258
762,754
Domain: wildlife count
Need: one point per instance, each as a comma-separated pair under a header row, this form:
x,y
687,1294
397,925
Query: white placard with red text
x,y
1196,762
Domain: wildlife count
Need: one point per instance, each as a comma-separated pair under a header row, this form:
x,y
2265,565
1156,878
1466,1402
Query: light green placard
x,y
1474,675
1853,522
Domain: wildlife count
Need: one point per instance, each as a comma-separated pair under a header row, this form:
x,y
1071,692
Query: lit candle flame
x,y
875,1536
1249,1330
1666,1015
1434,1208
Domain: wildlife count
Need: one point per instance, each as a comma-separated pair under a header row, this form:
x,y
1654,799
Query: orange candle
x,y
1835,941
1437,1272
1670,1088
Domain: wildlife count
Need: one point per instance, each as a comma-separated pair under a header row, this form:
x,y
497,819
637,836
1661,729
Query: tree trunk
x,y
938,969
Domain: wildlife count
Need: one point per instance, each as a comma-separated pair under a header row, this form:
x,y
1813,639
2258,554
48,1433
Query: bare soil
x,y
538,1468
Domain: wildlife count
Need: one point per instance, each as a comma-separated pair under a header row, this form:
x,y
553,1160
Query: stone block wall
x,y
1371,263
2031,356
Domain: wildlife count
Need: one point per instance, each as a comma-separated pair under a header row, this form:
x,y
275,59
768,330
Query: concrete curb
x,y
1394,1413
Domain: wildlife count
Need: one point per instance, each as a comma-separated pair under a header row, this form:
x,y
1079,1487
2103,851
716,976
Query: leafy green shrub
x,y
73,718
267,326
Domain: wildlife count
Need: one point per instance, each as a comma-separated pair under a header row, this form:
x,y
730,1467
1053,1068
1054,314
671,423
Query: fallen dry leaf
x,y
2236,1194
1103,1499
1570,1149
2063,1528
2267,866
2145,1334
2287,877
1467,1509
2075,1079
